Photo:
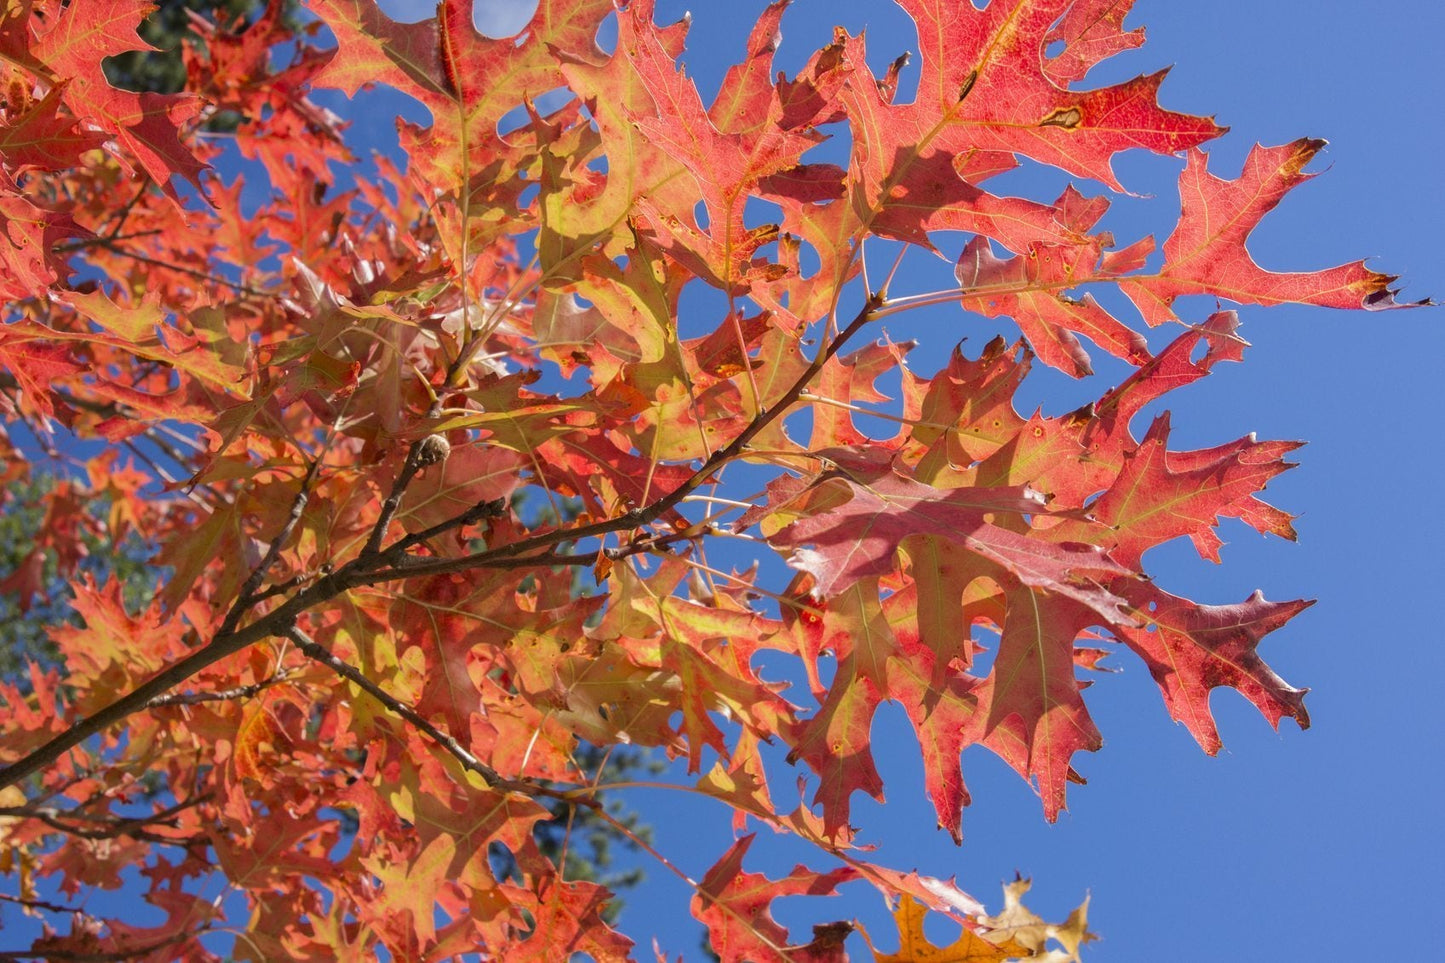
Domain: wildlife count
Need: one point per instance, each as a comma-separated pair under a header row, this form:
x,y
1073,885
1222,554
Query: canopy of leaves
x,y
325,404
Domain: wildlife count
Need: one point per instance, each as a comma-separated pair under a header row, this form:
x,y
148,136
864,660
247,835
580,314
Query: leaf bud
x,y
433,449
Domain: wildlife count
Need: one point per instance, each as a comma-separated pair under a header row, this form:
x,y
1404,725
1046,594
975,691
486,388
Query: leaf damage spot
x,y
1068,118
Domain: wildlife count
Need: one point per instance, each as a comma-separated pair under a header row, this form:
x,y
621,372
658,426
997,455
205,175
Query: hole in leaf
x,y
607,34
505,19
407,11
528,195
1054,49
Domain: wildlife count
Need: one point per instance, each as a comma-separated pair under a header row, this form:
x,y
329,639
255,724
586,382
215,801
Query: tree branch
x,y
109,827
239,692
360,571
422,452
39,904
96,956
489,558
247,596
315,650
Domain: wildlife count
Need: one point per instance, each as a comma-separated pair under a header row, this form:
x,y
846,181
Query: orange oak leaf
x,y
915,946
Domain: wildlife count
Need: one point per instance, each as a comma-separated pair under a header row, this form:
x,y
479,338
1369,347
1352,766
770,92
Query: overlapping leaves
x,y
353,452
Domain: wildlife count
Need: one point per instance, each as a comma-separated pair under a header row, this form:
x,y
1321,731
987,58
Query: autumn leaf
x,y
1017,923
735,906
879,508
970,947
146,124
401,507
1207,254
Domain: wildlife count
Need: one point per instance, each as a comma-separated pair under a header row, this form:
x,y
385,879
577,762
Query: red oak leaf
x,y
857,516
1206,254
1192,649
1036,719
1029,289
145,124
736,907
1161,495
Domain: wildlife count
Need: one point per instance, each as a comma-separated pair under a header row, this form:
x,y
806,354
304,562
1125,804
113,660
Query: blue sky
x,y
1286,844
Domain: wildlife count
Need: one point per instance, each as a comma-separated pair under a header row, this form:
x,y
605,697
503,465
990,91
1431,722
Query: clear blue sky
x,y
1286,845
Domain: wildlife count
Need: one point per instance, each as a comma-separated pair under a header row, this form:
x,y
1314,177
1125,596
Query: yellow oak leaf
x,y
915,947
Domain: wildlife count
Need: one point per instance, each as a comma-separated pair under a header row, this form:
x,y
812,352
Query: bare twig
x,y
239,692
478,512
105,240
97,956
39,904
412,566
247,596
415,459
100,826
193,272
114,830
315,650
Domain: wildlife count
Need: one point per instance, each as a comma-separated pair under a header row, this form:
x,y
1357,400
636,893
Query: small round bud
x,y
434,448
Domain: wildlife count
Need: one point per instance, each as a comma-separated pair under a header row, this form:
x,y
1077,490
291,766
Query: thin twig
x,y
409,467
315,650
247,596
473,515
97,956
888,281
112,831
105,240
39,904
921,301
193,272
239,692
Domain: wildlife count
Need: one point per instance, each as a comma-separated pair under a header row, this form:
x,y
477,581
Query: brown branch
x,y
360,571
193,272
221,646
109,826
239,692
490,557
39,904
111,832
280,588
409,566
315,650
247,596
105,240
478,512
160,816
418,455
96,956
